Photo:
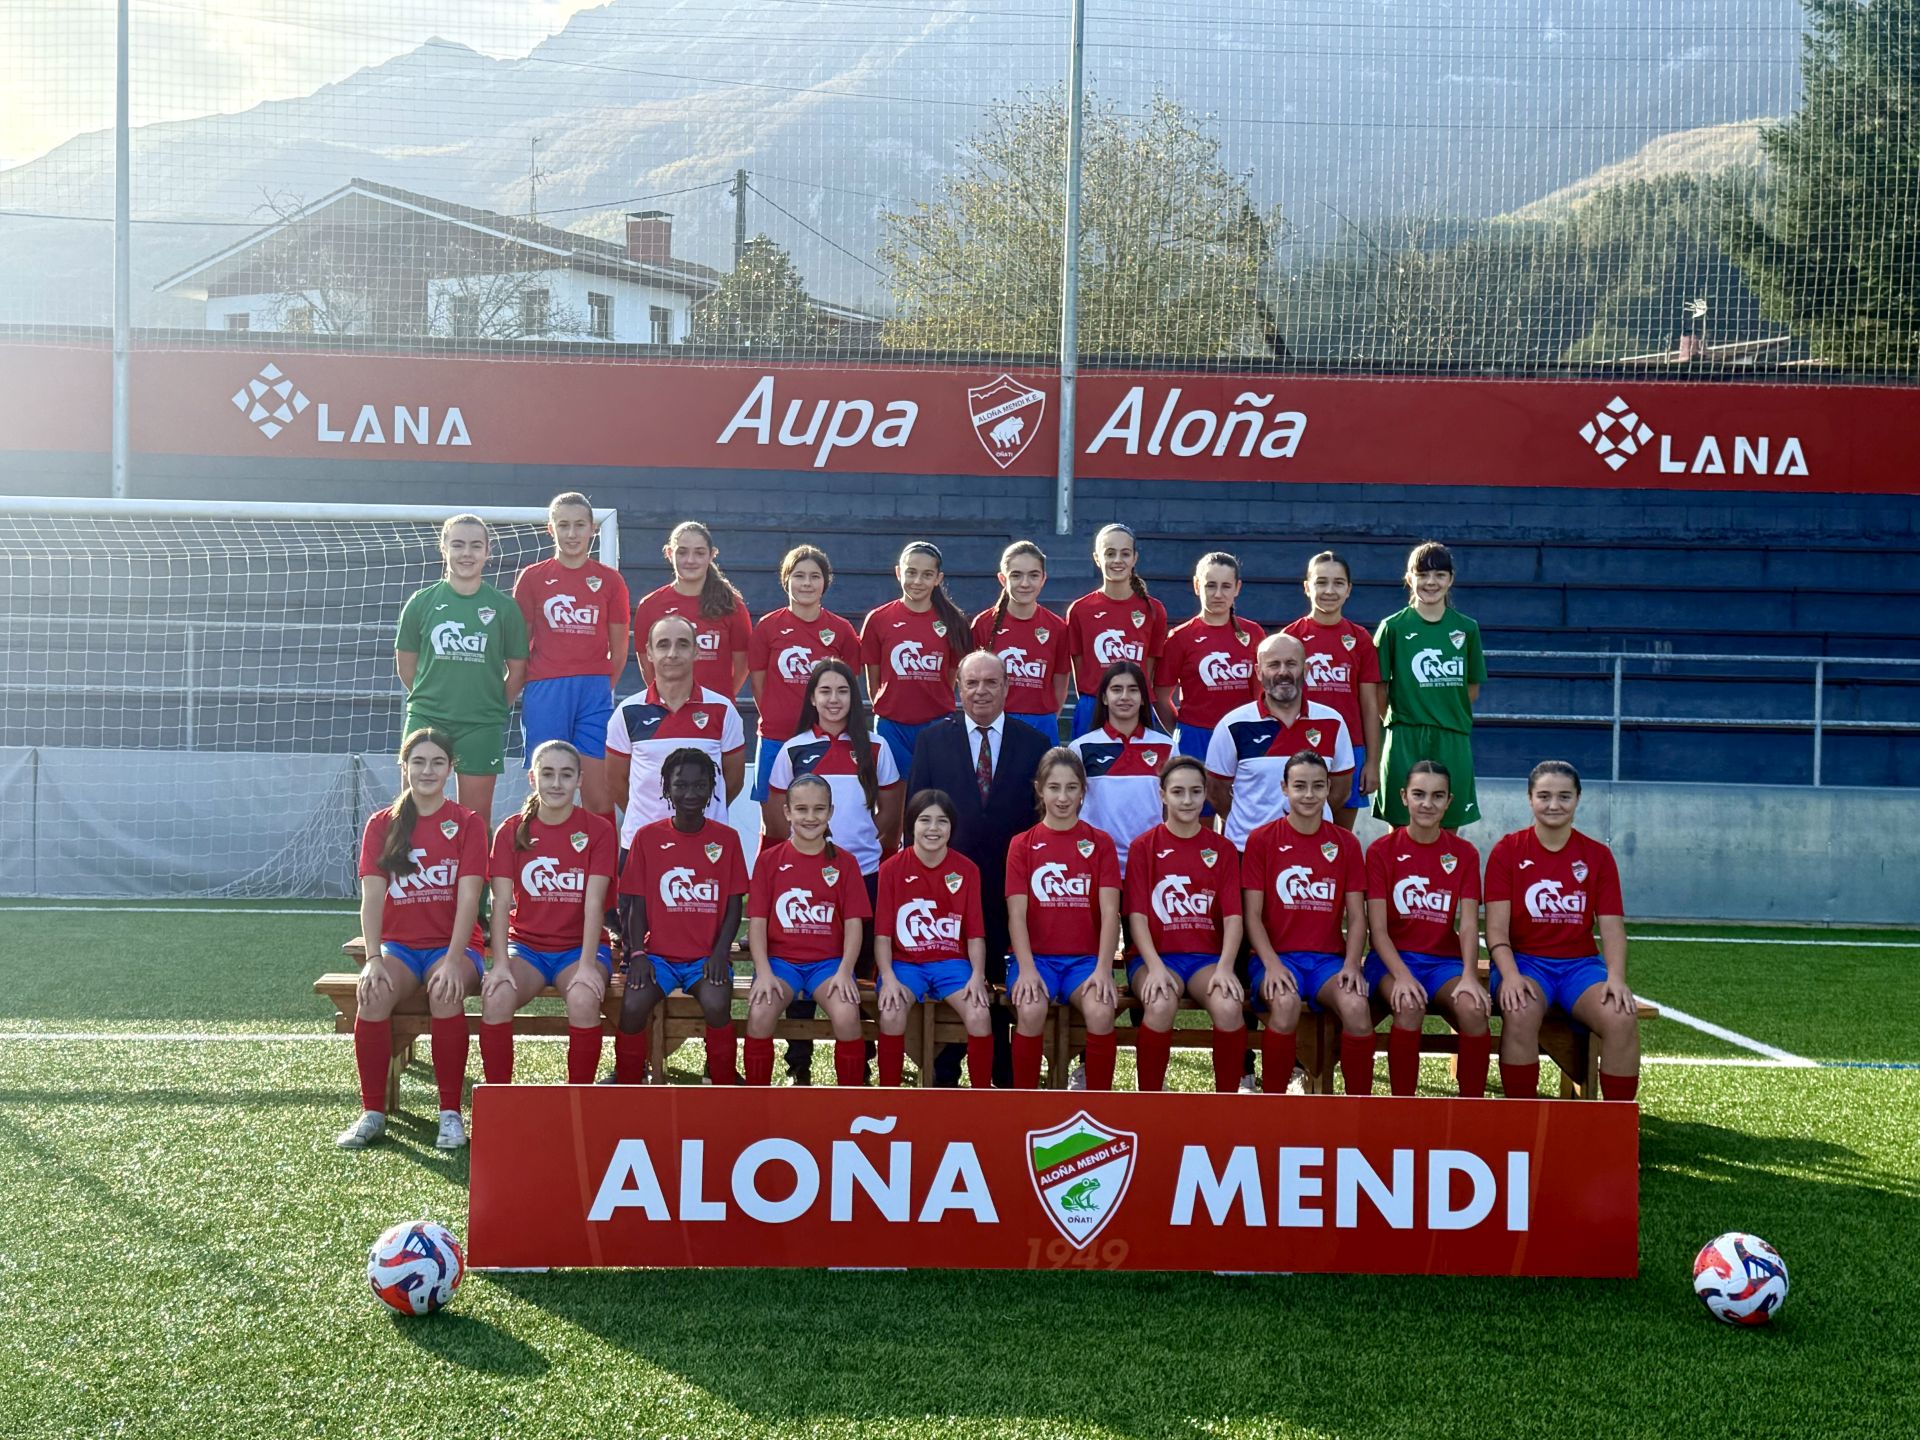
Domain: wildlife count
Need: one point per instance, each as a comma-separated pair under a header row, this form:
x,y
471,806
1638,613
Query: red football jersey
x,y
720,637
1340,659
915,663
928,912
1101,631
1555,898
1186,888
1212,668
1062,872
787,648
1035,651
447,844
550,876
1304,881
569,615
1423,886
687,881
806,901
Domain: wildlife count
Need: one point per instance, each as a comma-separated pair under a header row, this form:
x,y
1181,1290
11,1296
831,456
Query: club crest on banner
x,y
714,852
1080,1174
1580,870
954,882
487,612
578,840
449,828
593,583
1006,416
1330,849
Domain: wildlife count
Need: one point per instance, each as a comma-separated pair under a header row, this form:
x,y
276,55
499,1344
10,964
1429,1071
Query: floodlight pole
x,y
1070,281
122,248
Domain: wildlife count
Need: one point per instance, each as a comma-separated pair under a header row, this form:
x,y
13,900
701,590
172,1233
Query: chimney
x,y
650,236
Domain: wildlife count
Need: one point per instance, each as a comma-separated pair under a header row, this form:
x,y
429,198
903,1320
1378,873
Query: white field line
x,y
1732,1037
1728,1062
1767,940
177,910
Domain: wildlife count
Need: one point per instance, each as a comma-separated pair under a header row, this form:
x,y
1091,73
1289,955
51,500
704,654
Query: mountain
x,y
842,111
1702,152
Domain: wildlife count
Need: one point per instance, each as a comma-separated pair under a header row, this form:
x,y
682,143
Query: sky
x,y
199,57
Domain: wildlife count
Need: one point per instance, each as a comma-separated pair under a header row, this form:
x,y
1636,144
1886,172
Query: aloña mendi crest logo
x,y
1080,1173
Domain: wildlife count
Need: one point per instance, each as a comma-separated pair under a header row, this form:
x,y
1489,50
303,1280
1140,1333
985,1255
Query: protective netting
x,y
1437,185
205,703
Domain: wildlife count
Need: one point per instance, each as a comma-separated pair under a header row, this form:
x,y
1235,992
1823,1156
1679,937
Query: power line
x,y
858,259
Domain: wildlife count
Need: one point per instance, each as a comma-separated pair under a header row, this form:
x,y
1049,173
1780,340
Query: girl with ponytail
x,y
1119,621
553,865
1029,639
912,648
423,866
701,593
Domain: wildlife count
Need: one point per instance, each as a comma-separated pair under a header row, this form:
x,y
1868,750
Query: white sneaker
x,y
371,1126
1249,1084
1297,1085
1077,1077
453,1131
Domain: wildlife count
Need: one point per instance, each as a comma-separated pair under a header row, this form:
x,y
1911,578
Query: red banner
x,y
1627,433
857,1178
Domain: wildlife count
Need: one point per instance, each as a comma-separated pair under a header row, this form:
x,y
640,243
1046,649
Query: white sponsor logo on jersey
x,y
450,637
563,610
1220,671
909,657
1546,901
678,887
426,877
1323,671
797,907
1296,885
708,640
795,663
1412,897
1052,885
918,925
1430,667
1019,667
1112,645
543,879
1173,901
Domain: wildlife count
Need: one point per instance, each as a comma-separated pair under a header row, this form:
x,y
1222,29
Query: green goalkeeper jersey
x,y
1427,667
464,643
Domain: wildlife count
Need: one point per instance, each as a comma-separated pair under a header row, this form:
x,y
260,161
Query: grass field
x,y
182,1249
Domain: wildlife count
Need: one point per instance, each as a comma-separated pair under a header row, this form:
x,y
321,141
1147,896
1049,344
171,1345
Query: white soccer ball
x,y
1740,1279
415,1267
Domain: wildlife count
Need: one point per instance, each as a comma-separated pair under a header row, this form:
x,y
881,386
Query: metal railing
x,y
1617,720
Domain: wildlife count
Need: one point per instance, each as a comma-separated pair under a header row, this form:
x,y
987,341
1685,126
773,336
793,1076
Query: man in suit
x,y
993,802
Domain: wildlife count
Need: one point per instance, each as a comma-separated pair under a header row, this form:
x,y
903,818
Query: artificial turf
x,y
182,1254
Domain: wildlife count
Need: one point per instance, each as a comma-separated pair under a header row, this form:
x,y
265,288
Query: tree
x,y
762,304
1834,249
1174,252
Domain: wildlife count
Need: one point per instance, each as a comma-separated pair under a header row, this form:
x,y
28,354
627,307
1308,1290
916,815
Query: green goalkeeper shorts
x,y
1407,743
477,749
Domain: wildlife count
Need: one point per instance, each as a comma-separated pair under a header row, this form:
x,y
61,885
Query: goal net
x,y
200,697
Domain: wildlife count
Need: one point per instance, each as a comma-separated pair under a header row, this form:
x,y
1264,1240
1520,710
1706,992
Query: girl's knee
x,y
1099,1017
1031,1019
1159,1015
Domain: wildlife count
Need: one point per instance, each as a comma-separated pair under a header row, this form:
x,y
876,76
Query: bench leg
x,y
657,1045
1060,1068
1326,1038
402,1057
926,1046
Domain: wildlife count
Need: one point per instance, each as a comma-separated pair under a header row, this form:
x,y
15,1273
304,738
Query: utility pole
x,y
739,193
1070,283
534,176
122,253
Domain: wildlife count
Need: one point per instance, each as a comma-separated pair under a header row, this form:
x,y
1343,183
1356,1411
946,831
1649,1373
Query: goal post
x,y
200,697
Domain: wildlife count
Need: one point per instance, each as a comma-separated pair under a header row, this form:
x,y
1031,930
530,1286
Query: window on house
x,y
241,321
660,322
600,315
463,316
533,312
300,319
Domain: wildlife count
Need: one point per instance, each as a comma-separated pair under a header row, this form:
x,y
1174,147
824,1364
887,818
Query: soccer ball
x,y
1740,1279
415,1267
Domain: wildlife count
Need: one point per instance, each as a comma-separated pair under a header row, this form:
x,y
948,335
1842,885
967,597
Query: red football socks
x,y
450,1046
1356,1062
1520,1082
1099,1061
893,1058
1276,1060
1403,1061
496,1053
372,1055
850,1061
1229,1051
1026,1061
720,1054
1618,1087
1475,1051
757,1059
630,1057
1150,1051
980,1061
583,1054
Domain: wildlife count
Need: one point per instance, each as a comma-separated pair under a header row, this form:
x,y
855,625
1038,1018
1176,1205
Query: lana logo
x,y
797,908
565,612
1172,901
543,879
1006,416
1112,645
1411,896
795,663
1547,901
272,402
919,924
1296,886
910,658
1617,433
1220,671
1053,886
678,887
1080,1174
